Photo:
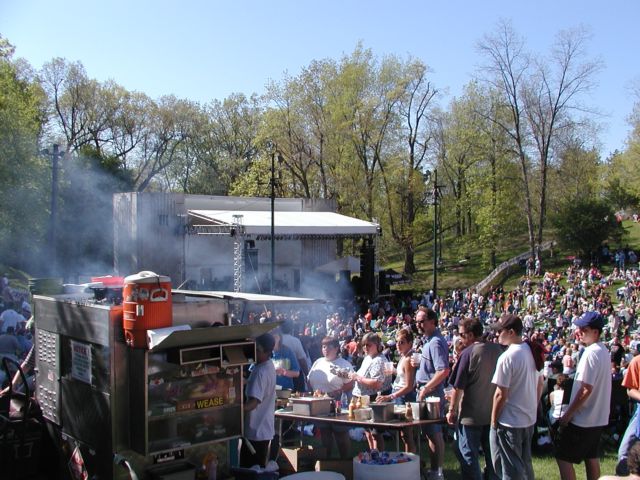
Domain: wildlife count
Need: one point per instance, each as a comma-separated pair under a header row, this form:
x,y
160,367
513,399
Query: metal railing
x,y
507,267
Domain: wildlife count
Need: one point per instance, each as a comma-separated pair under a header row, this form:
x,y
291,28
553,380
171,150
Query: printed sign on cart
x,y
81,361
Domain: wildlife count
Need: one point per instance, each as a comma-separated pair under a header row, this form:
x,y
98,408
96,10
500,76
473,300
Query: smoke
x,y
84,231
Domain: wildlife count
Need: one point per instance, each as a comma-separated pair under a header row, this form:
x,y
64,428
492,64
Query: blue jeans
x,y
511,452
467,449
631,434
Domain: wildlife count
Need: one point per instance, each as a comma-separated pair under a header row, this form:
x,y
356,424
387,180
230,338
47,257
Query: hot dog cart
x,y
163,410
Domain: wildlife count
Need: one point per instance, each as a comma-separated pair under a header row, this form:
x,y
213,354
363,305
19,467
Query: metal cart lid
x,y
199,336
245,297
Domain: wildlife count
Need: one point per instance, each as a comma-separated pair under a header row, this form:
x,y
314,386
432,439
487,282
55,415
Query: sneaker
x,y
431,475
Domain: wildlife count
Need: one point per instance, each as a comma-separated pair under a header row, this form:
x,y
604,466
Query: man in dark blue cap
x,y
588,413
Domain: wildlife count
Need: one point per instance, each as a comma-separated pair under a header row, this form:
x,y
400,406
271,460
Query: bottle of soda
x,y
344,401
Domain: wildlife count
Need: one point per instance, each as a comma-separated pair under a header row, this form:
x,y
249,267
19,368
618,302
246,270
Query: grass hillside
x,y
454,274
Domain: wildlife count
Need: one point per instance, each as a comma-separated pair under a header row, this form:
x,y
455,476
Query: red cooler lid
x,y
109,280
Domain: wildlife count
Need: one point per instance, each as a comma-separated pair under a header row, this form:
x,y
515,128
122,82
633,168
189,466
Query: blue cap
x,y
590,319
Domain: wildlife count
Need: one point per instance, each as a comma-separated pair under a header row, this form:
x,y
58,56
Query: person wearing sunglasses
x,y
431,375
371,379
403,388
326,375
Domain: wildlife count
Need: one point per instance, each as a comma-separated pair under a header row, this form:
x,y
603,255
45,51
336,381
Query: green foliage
x,y
576,175
360,129
582,225
619,195
24,175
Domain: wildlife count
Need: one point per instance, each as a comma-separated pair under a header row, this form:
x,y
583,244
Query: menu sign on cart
x,y
81,361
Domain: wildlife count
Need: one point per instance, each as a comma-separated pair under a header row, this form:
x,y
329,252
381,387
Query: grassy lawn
x,y
455,275
544,466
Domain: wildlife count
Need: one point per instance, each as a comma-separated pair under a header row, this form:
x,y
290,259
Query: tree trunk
x,y
409,264
543,200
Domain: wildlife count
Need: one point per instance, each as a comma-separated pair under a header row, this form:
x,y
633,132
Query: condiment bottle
x,y
352,407
408,413
344,401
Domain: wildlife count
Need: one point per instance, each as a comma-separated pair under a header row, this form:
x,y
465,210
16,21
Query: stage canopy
x,y
286,224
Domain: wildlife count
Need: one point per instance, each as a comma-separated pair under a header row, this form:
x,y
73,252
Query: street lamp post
x,y
434,195
272,151
435,232
55,155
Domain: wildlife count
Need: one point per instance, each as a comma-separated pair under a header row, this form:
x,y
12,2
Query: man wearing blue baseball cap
x,y
588,413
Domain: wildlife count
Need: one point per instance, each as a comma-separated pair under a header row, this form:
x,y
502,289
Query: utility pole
x,y
272,151
55,155
435,233
432,197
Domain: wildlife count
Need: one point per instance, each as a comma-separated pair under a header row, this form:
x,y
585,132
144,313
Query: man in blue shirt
x,y
432,373
285,361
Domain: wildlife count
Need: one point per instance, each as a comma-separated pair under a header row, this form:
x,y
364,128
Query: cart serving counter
x,y
168,407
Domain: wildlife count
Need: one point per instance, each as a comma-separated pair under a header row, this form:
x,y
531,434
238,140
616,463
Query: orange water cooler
x,y
147,305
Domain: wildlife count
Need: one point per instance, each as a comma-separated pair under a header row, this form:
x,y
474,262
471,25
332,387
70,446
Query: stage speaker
x,y
367,268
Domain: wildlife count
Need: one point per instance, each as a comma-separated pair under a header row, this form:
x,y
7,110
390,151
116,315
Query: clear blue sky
x,y
204,50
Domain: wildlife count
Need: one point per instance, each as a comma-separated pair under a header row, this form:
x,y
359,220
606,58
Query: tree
x,y
621,169
225,143
493,191
363,108
576,174
164,145
542,95
584,224
414,109
25,175
71,95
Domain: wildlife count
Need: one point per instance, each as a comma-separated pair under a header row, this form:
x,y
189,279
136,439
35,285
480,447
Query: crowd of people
x,y
16,327
552,362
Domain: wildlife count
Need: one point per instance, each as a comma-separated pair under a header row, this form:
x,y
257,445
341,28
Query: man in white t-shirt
x,y
515,403
259,416
529,322
588,412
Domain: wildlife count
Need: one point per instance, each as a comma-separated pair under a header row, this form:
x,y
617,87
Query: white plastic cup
x,y
415,358
388,368
448,392
415,409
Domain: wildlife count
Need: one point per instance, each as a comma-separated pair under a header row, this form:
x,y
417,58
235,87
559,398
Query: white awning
x,y
285,223
244,296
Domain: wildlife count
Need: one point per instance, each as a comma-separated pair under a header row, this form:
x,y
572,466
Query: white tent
x,y
287,223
